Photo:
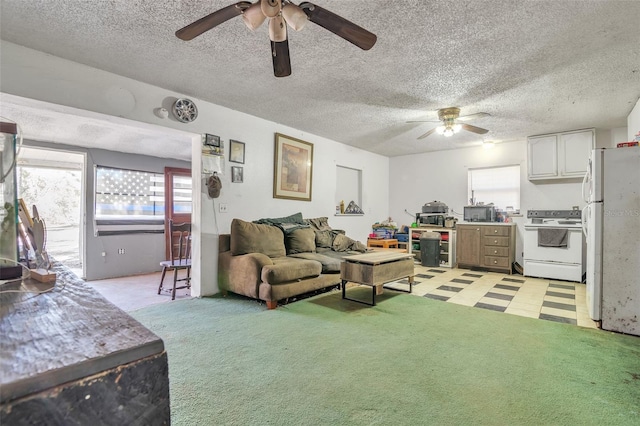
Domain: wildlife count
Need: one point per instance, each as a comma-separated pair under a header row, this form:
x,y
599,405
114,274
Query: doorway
x,y
178,200
53,181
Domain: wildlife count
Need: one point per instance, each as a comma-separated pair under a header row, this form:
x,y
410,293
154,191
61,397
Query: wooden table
x,y
375,269
383,243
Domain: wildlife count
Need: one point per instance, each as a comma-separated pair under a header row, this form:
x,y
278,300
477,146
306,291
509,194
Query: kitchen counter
x,y
487,223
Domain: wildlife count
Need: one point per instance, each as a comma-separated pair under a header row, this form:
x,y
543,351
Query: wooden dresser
x,y
486,245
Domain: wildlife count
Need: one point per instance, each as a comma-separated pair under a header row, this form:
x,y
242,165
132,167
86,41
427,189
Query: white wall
x,y
36,75
633,122
442,176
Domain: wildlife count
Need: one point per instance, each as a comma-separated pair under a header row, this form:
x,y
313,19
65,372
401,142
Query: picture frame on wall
x,y
237,174
236,151
212,140
293,168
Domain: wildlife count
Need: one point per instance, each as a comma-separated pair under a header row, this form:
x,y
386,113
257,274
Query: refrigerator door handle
x,y
585,179
585,219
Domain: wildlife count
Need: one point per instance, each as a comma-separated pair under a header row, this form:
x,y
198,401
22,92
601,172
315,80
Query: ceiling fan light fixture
x,y
294,16
440,130
277,29
270,8
448,132
253,16
456,128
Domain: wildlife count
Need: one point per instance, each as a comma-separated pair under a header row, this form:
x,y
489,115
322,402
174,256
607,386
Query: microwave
x,y
479,214
430,219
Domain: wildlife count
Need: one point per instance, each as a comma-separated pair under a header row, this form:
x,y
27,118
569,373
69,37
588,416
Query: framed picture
x,y
211,140
236,151
293,166
237,174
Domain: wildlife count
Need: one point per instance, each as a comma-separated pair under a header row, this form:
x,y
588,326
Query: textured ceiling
x,y
535,66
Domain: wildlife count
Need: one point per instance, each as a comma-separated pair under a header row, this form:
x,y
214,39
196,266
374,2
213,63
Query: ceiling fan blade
x,y
281,59
212,20
423,121
474,116
474,129
427,134
339,26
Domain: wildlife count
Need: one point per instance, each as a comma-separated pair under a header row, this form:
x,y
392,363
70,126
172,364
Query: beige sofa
x,y
273,261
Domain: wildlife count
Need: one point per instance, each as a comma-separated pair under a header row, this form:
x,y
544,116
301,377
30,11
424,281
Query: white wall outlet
x,y
223,208
120,251
104,254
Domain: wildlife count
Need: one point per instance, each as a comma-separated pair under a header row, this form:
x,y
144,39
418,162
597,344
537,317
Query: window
x,y
128,201
497,185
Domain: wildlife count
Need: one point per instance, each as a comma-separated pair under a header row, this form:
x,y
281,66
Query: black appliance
x,y
479,213
433,214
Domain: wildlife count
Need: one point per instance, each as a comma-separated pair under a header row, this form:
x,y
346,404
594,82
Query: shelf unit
x,y
447,248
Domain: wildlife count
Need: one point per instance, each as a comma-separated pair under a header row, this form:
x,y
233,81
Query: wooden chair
x,y
180,241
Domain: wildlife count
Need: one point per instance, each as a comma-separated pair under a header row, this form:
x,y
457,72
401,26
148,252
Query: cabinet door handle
x,y
495,261
495,242
477,229
495,252
495,231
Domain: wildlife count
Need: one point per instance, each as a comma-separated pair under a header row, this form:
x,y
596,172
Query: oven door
x,y
561,263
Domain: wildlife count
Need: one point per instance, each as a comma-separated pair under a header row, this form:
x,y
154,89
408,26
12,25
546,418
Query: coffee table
x,y
375,269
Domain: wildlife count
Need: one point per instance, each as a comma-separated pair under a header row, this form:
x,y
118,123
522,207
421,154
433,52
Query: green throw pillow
x,y
247,237
301,240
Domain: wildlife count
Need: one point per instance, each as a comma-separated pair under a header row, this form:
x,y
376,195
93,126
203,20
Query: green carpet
x,y
407,361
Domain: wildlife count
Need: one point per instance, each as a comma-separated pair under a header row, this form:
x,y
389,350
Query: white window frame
x,y
490,183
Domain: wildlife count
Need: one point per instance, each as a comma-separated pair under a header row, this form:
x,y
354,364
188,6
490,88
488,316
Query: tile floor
x,y
552,300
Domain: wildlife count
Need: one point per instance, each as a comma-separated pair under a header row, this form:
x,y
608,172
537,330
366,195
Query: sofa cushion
x,y
287,269
300,241
330,264
343,243
247,237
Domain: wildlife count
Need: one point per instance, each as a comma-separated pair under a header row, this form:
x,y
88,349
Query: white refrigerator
x,y
611,224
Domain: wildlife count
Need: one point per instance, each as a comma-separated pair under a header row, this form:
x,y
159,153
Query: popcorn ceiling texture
x,y
535,66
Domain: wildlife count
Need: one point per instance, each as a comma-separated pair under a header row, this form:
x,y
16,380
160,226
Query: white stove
x,y
554,246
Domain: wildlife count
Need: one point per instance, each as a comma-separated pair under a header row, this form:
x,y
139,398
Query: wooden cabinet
x,y
487,246
468,245
560,155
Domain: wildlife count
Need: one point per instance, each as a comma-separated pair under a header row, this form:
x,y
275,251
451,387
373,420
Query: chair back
x,y
180,242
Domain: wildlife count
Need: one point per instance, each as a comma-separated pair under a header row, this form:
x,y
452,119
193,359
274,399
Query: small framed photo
x,y
237,174
236,151
212,140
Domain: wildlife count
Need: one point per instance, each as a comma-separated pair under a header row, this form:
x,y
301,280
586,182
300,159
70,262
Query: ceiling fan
x,y
281,13
449,118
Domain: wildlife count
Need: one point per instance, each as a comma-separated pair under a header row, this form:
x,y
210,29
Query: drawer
x,y
496,251
496,241
496,262
496,230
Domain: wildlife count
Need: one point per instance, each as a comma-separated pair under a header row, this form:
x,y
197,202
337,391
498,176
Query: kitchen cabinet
x,y
486,245
560,155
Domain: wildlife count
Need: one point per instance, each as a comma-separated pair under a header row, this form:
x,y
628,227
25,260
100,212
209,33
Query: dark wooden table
x,y
68,356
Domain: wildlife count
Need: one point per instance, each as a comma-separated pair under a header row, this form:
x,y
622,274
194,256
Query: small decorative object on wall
x,y
236,151
237,174
293,167
353,208
184,110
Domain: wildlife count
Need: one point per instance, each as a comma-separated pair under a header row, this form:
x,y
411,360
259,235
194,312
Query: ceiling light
x,y
487,144
270,8
448,132
277,29
253,16
456,128
294,16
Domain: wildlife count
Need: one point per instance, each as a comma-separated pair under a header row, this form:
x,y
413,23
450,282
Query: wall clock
x,y
185,110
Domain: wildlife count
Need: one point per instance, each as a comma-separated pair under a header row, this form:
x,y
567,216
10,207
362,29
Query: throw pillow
x,y
324,239
342,243
247,237
301,241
